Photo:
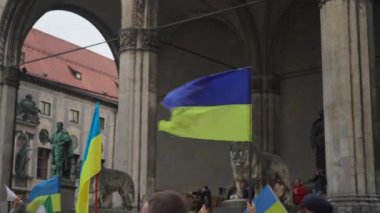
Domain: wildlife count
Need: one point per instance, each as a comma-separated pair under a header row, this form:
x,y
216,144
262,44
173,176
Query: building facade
x,y
63,89
308,55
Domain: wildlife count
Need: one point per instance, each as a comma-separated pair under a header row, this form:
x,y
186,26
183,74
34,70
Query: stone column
x,y
265,111
348,62
135,147
9,82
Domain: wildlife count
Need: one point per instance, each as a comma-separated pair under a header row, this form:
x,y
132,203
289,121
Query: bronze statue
x,y
27,110
318,146
21,161
318,142
62,152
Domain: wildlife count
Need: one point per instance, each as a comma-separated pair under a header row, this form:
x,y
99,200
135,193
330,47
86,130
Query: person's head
x,y
29,97
205,189
59,125
297,181
279,180
165,202
321,114
315,204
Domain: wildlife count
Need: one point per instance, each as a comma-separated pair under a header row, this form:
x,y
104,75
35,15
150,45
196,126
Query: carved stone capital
x,y
128,39
10,76
138,39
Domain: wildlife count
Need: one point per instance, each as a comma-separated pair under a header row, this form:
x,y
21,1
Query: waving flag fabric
x,y
214,107
46,192
91,163
11,196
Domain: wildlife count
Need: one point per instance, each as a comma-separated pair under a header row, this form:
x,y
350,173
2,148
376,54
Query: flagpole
x,y
96,194
250,147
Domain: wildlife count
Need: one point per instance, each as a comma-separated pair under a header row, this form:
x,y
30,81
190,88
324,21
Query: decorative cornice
x,y
10,76
128,39
139,39
112,102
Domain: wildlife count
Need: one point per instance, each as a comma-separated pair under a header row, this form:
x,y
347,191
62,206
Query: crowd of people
x,y
172,202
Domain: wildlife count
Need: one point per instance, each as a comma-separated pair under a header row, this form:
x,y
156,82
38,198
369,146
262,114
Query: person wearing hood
x,y
315,204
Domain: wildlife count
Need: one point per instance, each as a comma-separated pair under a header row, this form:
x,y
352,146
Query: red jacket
x,y
298,194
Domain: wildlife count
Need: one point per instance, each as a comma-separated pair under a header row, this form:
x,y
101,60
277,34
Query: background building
x,y
64,89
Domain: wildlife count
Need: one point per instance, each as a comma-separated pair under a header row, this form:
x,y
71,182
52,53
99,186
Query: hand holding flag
x,y
266,202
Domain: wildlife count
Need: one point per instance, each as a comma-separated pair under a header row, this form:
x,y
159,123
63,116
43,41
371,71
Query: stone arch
x,y
14,15
17,20
297,64
299,26
200,37
99,24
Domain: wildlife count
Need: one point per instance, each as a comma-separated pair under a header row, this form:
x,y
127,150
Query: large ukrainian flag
x,y
91,163
267,202
47,193
214,107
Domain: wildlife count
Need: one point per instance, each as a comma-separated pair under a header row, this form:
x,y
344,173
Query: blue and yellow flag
x,y
46,194
91,163
214,107
267,202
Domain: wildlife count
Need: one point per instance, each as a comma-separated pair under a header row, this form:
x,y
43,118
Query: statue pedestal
x,y
68,195
232,206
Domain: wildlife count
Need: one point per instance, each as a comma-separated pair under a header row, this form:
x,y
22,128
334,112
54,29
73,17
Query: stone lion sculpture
x,y
267,168
110,181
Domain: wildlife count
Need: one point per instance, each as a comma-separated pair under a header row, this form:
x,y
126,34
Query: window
x,y
76,73
74,116
45,108
102,123
42,163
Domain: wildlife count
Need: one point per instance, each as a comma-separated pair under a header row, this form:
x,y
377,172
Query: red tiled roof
x,y
99,74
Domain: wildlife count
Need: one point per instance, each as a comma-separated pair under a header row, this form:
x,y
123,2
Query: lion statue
x,y
110,181
267,168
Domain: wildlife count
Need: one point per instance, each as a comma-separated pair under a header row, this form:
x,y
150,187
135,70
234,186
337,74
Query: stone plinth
x,y
68,195
231,206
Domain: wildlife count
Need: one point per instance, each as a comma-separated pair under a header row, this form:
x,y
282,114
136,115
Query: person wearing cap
x,y
165,202
315,204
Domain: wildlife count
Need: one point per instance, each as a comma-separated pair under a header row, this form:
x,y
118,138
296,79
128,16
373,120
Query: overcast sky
x,y
73,28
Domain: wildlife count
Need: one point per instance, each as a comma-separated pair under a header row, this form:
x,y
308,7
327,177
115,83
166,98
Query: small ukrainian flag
x,y
46,196
267,202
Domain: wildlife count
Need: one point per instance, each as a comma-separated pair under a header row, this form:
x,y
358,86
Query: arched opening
x,y
61,81
297,64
